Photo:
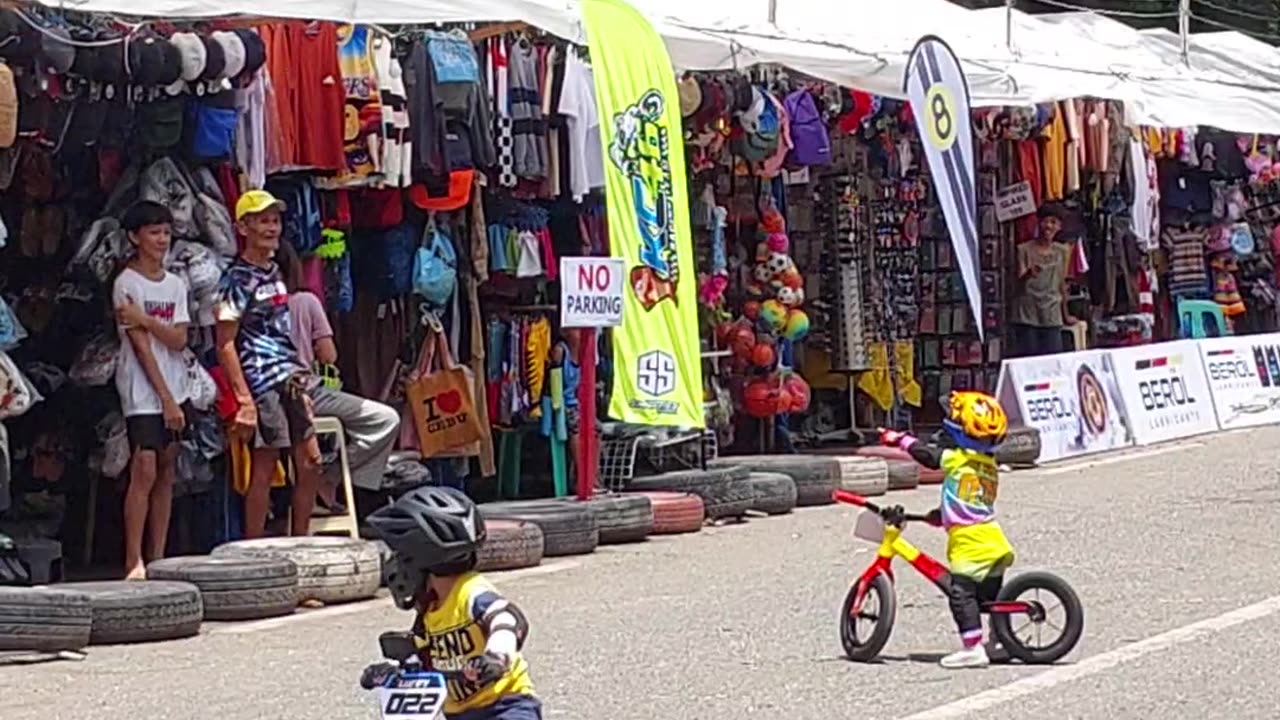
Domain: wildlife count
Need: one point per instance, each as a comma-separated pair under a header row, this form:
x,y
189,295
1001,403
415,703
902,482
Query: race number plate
x,y
414,696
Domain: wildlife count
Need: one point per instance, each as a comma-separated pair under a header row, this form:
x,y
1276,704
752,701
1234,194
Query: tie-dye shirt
x,y
969,487
256,298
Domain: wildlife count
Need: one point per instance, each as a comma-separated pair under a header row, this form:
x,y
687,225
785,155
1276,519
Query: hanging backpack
x,y
435,268
811,145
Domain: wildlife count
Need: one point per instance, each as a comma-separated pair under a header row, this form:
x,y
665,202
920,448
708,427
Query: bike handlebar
x,y
895,513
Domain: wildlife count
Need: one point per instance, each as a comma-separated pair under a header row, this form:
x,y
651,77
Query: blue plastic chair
x,y
1201,319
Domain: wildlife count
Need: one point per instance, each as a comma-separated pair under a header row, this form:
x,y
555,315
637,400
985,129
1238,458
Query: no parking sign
x,y
590,292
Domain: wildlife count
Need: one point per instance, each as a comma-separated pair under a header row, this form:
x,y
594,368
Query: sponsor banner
x,y
1073,399
1244,379
657,366
1164,391
939,93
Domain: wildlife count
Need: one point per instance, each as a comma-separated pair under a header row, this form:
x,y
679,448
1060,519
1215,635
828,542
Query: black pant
x,y
1032,340
966,596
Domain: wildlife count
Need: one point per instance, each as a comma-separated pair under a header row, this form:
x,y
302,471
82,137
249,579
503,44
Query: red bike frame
x,y
893,545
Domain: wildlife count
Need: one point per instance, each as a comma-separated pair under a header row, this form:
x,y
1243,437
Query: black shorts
x,y
147,432
283,418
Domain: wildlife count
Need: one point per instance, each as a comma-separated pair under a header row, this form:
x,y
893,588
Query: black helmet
x,y
426,529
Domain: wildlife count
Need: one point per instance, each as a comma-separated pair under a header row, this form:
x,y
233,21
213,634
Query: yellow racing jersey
x,y
454,634
975,543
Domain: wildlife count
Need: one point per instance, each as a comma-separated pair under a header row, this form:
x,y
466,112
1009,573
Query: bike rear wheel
x,y
865,635
1046,639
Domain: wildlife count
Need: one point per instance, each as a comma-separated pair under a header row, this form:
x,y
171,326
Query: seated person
x,y
370,426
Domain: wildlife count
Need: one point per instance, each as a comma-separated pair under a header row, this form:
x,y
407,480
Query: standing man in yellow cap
x,y
263,367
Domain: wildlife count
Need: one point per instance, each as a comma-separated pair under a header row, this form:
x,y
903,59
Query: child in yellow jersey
x,y
977,549
464,625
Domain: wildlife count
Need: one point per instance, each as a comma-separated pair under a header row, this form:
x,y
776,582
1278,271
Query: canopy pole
x,y
773,12
1184,30
1008,24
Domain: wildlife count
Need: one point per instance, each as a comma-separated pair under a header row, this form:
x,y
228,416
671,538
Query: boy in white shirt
x,y
151,377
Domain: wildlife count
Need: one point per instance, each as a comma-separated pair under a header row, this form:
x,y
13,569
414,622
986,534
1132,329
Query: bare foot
x,y
138,572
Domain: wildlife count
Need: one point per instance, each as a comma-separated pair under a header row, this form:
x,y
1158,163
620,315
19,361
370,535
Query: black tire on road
x,y
1021,447
865,476
511,545
775,493
330,569
722,487
1053,590
135,611
622,518
44,619
235,588
866,649
567,529
903,474
815,476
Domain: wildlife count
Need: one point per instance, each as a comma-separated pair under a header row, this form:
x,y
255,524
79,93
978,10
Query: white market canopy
x,y
1010,58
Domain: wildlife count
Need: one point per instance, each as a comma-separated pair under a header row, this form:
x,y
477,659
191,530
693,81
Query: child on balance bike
x,y
463,623
977,549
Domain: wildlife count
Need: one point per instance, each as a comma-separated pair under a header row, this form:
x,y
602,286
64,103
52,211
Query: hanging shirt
x,y
1145,195
255,297
1055,156
528,128
362,107
282,116
530,264
578,105
426,117
396,146
320,94
452,634
251,138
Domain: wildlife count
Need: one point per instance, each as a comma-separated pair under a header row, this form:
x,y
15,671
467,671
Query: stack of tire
x,y
723,490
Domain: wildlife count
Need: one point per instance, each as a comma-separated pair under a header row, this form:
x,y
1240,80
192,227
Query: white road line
x,y
1108,460
352,608
1099,663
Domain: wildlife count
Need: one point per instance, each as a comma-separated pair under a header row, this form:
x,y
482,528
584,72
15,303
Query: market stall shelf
x,y
235,588
330,570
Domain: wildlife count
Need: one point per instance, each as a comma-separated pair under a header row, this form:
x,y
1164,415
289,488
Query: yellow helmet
x,y
976,417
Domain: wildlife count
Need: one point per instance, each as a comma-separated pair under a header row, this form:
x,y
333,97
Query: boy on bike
x,y
463,623
977,549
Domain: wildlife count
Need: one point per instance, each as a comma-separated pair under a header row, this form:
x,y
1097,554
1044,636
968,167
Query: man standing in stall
x,y
263,367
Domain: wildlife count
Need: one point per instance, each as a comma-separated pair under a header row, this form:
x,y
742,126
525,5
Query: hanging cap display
x,y
215,59
255,51
690,95
457,196
193,53
232,50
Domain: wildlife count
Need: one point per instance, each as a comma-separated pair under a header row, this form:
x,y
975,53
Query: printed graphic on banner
x,y
939,96
1244,379
1165,391
1071,398
590,292
657,368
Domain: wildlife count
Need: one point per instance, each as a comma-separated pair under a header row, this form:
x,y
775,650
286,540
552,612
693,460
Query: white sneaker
x,y
974,657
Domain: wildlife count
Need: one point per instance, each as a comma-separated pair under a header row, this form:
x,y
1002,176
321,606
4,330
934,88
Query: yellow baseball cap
x,y
256,201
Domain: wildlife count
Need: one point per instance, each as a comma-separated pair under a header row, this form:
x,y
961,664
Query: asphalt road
x,y
1173,551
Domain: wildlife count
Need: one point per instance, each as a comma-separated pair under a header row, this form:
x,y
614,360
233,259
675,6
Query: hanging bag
x,y
435,268
440,400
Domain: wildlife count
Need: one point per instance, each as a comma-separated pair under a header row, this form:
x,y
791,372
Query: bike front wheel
x,y
1054,632
865,633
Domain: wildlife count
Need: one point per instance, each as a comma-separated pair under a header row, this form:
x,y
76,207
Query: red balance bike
x,y
1039,629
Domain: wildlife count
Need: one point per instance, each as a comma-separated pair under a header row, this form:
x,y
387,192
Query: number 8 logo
x,y
940,120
